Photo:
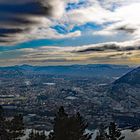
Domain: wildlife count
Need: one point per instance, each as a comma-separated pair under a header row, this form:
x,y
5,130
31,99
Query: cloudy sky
x,y
59,32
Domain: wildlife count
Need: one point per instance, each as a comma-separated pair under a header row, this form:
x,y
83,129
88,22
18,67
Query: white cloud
x,y
119,13
93,13
49,33
124,14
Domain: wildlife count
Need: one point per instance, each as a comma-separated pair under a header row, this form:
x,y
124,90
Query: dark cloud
x,y
126,29
32,8
129,53
100,48
107,47
48,61
3,41
9,31
115,55
17,17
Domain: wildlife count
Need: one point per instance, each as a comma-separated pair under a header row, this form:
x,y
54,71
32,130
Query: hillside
x,y
126,90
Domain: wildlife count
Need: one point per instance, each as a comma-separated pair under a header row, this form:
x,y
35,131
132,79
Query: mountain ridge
x,y
90,70
126,90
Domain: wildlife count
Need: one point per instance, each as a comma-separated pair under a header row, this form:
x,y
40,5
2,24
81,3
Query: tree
x,y
101,135
11,129
37,136
15,127
1,111
3,132
114,133
79,126
31,135
60,121
69,127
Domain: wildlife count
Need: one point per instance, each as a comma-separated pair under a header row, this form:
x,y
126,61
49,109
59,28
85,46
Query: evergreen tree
x,y
10,130
31,135
3,132
101,135
1,116
37,136
69,128
1,112
15,127
59,125
43,136
79,126
114,133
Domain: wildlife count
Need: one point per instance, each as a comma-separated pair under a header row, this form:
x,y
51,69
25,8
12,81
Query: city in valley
x,y
101,93
69,69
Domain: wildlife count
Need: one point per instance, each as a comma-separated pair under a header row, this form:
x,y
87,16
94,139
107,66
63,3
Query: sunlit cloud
x,y
112,52
107,30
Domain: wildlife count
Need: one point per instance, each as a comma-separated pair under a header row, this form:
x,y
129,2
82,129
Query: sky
x,y
64,32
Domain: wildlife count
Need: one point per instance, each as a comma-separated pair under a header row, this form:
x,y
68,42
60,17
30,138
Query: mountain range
x,y
92,70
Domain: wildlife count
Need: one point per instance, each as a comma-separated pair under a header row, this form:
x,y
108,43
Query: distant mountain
x,y
85,70
10,72
126,90
91,70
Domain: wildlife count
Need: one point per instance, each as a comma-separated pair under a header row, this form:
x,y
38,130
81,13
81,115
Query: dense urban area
x,y
37,94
